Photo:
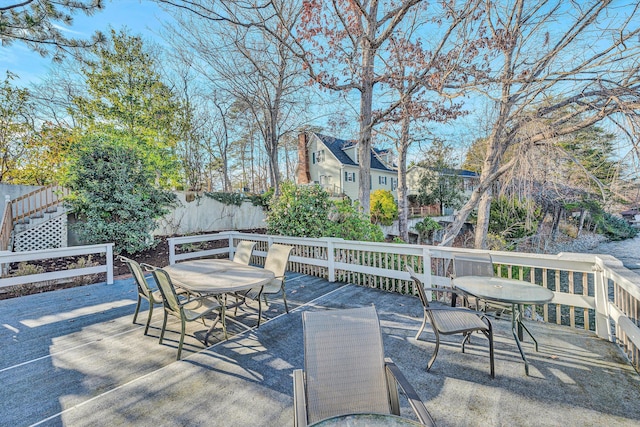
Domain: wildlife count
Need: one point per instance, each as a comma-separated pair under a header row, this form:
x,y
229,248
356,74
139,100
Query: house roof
x,y
337,146
463,173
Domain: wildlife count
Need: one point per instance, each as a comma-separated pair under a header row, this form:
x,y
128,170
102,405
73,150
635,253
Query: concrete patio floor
x,y
73,358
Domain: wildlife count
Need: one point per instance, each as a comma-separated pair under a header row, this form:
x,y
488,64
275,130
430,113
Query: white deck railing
x,y
7,258
591,291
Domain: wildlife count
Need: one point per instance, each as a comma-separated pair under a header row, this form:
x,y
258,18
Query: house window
x,y
313,158
350,177
394,183
382,180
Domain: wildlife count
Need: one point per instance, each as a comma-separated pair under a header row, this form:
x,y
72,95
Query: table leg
x,y
515,329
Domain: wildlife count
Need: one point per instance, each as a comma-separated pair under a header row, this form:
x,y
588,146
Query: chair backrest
x,y
169,296
243,252
344,363
472,265
419,286
138,275
277,259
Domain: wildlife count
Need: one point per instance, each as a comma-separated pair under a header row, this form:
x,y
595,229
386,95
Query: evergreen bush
x,y
113,194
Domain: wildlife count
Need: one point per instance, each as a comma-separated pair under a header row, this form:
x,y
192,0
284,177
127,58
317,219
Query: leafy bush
x,y
113,194
263,200
228,199
513,219
301,211
349,223
426,228
26,269
384,209
616,228
306,211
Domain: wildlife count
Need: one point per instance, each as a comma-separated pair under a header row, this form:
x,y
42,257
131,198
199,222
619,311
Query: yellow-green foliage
x,y
384,209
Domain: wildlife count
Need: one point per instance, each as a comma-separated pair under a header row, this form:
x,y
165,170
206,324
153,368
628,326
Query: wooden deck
x,y
73,358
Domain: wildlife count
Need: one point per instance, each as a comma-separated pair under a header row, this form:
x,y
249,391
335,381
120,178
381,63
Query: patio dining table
x,y
217,276
510,291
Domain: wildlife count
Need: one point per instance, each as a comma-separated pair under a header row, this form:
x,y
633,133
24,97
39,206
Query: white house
x,y
333,164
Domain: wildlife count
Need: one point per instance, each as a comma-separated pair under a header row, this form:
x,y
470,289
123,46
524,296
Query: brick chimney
x,y
303,176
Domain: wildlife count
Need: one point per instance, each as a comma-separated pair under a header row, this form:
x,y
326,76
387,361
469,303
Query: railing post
x,y
232,249
109,257
603,329
331,261
172,251
426,268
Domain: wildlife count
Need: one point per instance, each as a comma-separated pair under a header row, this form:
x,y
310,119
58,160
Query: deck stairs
x,y
35,221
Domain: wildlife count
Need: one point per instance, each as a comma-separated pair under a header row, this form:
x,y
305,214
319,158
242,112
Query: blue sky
x,y
141,17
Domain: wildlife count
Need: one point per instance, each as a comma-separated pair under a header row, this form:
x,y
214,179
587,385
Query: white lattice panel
x,y
48,235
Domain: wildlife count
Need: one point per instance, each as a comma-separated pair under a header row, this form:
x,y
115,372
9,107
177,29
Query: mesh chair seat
x,y
197,308
457,321
345,369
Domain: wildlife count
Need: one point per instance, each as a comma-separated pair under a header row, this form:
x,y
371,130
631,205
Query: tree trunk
x,y
482,226
556,222
403,202
583,214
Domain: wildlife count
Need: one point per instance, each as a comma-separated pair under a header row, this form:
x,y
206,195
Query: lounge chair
x,y
345,371
447,320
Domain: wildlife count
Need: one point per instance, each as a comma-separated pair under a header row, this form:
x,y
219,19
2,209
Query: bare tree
x,y
357,38
559,67
250,65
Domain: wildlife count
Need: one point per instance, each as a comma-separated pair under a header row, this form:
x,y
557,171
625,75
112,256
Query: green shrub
x,y
513,219
616,228
349,223
26,269
113,194
263,200
384,209
426,228
229,199
307,211
301,211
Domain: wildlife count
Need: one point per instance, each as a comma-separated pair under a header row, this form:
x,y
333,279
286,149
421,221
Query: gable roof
x,y
337,146
462,173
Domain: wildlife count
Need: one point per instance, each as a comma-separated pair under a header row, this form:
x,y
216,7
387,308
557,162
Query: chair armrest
x,y
299,400
412,396
148,267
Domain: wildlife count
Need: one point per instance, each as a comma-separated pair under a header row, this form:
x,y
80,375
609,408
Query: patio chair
x,y
243,252
345,371
478,264
152,295
277,259
188,310
447,320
